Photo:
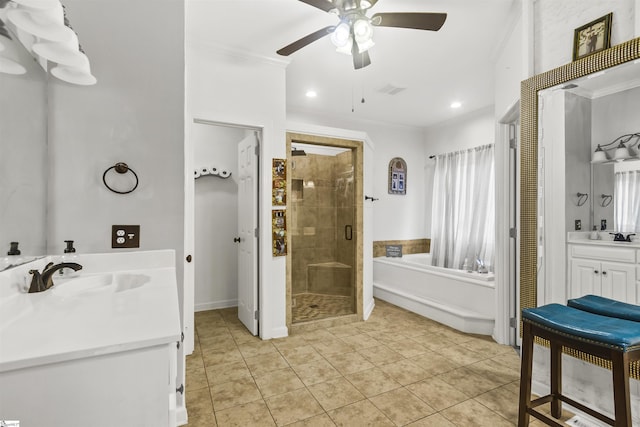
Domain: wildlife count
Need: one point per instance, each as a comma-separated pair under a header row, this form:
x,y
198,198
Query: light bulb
x,y
341,35
362,30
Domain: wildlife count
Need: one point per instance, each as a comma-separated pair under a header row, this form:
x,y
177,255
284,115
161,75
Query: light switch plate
x,y
578,225
125,236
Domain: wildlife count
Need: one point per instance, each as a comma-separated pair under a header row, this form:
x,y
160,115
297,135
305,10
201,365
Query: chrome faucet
x,y
42,282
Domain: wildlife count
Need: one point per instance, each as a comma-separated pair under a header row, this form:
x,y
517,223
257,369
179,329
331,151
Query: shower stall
x,y
322,227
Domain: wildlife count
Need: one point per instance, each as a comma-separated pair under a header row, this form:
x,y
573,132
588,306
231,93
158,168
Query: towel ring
x,y
606,200
582,199
121,168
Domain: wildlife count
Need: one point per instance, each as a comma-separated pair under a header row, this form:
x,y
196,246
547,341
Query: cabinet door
x,y
619,282
585,278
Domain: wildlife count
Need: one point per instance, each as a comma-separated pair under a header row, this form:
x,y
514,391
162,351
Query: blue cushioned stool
x,y
606,307
609,338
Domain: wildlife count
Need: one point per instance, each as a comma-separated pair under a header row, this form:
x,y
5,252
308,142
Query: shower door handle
x,y
348,232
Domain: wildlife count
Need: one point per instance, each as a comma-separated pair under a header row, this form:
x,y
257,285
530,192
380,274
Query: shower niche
x,y
322,227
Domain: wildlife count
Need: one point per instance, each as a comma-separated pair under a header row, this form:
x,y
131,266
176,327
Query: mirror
x,y
23,154
531,205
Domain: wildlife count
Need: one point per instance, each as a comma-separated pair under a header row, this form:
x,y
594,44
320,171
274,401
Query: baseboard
x,y
369,309
281,332
181,416
214,305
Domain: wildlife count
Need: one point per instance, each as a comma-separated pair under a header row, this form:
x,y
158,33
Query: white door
x,y
618,282
585,278
247,226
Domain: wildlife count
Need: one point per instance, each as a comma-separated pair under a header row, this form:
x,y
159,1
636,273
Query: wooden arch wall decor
x,y
397,176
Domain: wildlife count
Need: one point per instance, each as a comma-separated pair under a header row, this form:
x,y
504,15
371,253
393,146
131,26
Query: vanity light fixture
x,y
627,147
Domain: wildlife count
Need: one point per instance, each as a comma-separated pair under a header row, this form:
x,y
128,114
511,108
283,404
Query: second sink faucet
x,y
42,282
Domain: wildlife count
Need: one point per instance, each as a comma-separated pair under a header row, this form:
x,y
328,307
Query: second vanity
x,y
99,348
603,267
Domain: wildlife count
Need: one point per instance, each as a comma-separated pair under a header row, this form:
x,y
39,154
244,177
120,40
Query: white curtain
x,y
463,209
627,201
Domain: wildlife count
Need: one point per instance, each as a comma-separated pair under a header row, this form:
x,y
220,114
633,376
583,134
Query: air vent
x,y
391,89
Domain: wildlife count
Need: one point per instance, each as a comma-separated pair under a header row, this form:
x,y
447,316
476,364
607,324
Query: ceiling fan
x,y
353,34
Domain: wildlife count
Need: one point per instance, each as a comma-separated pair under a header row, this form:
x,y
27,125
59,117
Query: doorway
x,y
324,223
224,243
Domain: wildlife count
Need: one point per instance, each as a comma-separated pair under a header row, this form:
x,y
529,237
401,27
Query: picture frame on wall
x,y
592,37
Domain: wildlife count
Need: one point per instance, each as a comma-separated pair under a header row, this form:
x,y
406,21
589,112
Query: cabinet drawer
x,y
604,253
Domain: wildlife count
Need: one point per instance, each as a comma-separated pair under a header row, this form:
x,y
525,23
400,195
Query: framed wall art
x,y
397,176
592,37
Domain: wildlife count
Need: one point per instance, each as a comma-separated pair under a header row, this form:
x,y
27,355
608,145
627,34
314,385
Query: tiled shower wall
x,y
322,197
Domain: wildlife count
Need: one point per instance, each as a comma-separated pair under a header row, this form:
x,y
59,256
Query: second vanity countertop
x,y
606,239
117,302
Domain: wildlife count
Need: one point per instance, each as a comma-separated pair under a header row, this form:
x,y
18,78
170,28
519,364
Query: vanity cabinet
x,y
604,270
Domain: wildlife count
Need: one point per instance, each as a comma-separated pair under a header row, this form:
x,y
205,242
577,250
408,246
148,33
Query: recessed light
x,y
311,94
456,104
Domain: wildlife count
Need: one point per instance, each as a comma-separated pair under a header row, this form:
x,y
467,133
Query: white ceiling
x,y
453,64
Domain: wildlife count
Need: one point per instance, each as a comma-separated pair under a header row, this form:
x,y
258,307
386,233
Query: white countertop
x,y
606,239
71,321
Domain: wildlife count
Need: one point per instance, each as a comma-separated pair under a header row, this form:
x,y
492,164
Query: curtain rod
x,y
433,156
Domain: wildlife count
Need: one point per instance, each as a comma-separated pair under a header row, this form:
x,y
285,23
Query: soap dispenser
x,y
594,235
69,256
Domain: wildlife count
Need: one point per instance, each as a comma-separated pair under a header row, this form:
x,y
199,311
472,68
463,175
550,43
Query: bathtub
x,y
464,301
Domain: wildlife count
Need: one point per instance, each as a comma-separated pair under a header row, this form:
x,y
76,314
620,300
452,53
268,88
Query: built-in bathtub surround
x,y
459,299
411,246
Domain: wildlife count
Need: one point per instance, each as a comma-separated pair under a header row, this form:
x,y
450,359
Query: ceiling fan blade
x,y
360,60
308,39
325,5
418,21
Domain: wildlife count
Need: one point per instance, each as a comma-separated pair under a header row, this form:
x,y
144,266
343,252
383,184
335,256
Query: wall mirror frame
x,y
616,55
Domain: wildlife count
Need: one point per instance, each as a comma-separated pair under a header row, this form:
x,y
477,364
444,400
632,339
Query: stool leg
x,y
556,379
526,367
620,369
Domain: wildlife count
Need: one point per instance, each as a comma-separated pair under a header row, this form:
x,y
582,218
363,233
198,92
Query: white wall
x,y
467,131
216,217
395,217
134,114
555,22
232,87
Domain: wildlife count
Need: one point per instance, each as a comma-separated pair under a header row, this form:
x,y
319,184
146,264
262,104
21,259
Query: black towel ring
x,y
121,168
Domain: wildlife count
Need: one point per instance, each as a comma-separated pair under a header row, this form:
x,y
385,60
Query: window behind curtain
x,y
463,209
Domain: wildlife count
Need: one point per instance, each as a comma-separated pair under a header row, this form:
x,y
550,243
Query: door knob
x,y
236,239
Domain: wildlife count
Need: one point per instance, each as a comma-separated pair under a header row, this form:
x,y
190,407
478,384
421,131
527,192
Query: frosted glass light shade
x,y
621,153
599,156
8,66
62,53
74,75
38,4
341,35
43,24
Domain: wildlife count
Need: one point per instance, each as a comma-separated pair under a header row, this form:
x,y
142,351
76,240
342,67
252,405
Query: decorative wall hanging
x,y
592,37
397,176
279,231
279,188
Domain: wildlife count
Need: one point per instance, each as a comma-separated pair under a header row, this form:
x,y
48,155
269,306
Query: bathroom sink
x,y
93,283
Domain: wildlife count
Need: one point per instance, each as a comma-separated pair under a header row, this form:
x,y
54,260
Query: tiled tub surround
x,y
461,300
397,368
322,206
412,246
96,349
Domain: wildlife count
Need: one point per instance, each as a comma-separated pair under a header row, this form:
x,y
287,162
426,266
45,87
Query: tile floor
x,y
395,369
317,306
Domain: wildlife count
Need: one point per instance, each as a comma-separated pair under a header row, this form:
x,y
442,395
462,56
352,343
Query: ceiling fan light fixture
x,y
341,35
362,30
346,49
365,45
365,4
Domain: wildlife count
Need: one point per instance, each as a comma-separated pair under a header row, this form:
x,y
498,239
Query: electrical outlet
x,y
603,224
578,225
125,236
